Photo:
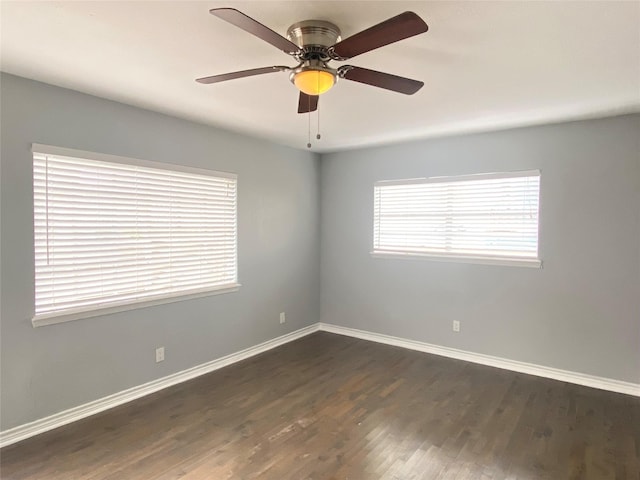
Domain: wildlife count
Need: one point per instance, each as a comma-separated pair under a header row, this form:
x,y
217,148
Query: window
x,y
112,232
487,218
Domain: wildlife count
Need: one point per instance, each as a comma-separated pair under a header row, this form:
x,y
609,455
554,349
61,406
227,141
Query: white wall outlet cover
x,y
283,317
159,354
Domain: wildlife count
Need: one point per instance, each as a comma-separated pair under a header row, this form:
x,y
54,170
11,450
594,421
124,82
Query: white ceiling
x,y
485,65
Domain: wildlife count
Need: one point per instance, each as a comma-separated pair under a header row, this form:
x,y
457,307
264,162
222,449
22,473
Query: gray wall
x,y
581,312
49,369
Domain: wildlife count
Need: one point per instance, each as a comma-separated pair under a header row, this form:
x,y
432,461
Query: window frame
x,y
51,318
458,257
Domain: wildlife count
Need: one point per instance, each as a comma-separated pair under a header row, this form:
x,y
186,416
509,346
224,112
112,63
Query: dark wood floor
x,y
331,407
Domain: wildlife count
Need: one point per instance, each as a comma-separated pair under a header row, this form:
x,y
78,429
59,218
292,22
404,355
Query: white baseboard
x,y
506,364
65,417
42,425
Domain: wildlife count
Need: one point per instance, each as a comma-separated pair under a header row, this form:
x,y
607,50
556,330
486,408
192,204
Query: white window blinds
x,y
110,234
489,215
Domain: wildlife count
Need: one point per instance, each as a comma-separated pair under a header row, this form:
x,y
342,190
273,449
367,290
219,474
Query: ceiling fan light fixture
x,y
313,81
316,43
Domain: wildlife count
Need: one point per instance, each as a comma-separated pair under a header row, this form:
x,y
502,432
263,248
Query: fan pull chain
x,y
318,134
309,122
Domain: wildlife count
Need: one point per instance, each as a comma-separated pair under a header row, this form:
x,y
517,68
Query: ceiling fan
x,y
314,43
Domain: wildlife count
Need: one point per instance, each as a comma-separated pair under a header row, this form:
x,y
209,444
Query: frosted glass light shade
x,y
314,82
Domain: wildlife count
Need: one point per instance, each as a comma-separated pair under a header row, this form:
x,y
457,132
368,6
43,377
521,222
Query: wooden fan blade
x,y
244,73
398,28
382,80
248,24
307,103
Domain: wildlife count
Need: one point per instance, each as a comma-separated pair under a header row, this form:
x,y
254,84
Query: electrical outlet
x,y
159,354
283,318
456,326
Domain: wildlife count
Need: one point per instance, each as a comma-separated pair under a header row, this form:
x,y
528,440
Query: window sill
x,y
512,262
53,318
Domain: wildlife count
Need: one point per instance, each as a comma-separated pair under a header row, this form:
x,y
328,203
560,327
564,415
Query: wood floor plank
x,y
328,407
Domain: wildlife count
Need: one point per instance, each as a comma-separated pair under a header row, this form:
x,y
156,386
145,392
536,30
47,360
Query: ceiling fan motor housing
x,y
314,37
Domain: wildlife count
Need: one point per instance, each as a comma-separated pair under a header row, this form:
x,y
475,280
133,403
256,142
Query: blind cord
x,y
46,204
